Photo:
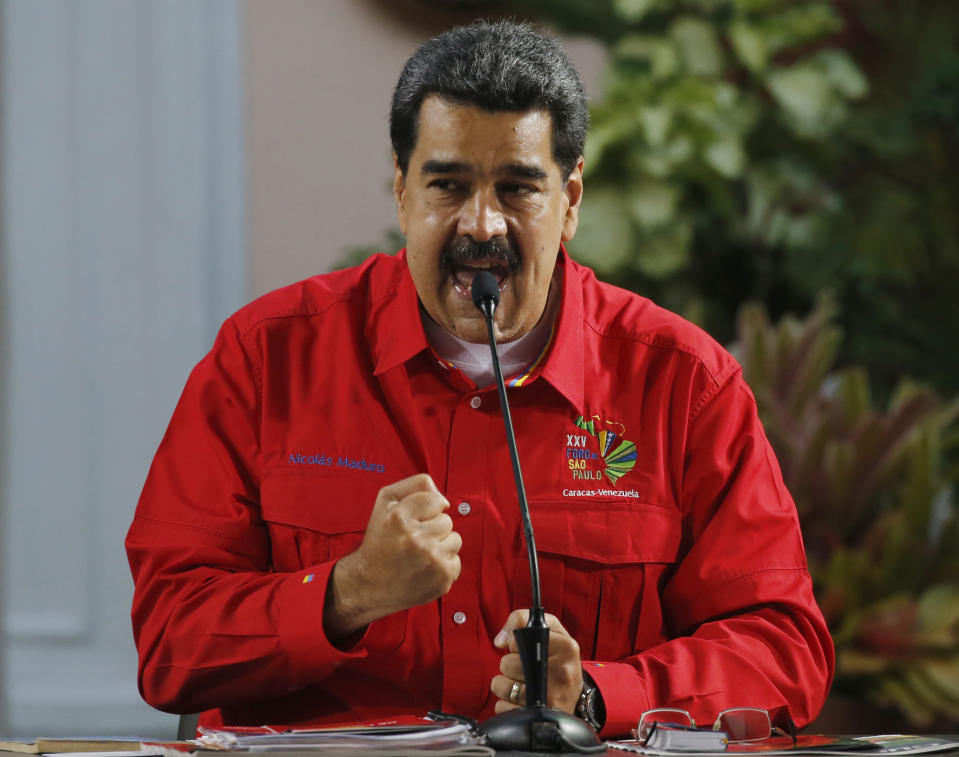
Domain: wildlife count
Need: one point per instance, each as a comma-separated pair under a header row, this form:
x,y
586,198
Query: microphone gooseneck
x,y
535,727
485,292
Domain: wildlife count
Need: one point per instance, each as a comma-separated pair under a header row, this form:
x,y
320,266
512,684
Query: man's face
x,y
482,191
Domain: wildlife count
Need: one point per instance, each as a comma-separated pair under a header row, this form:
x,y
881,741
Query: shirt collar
x,y
564,367
395,331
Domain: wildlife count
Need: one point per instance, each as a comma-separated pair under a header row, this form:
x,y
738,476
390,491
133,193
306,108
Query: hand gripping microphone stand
x,y
535,727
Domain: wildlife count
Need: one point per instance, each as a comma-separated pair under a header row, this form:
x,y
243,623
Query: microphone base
x,y
540,729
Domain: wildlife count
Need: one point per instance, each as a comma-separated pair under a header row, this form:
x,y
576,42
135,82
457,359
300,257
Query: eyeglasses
x,y
741,723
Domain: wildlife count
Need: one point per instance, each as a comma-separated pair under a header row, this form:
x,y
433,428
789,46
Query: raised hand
x,y
409,556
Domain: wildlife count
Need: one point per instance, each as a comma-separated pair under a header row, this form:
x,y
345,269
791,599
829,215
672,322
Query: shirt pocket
x,y
602,566
313,518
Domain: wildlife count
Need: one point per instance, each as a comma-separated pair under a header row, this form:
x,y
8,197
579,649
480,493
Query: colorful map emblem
x,y
615,457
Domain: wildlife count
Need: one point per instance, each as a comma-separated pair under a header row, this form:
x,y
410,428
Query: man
x,y
329,530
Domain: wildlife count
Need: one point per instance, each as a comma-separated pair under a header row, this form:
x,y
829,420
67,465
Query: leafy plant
x,y
769,149
877,507
699,175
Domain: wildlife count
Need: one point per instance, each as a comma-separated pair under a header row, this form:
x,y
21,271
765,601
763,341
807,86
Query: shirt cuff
x,y
623,696
312,655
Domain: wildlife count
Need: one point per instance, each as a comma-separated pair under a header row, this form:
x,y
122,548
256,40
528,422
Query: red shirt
x,y
669,547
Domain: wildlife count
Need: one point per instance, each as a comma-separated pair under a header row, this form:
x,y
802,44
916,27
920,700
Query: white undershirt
x,y
475,360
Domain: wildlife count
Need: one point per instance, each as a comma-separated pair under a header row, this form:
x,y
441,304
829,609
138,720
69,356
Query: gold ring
x,y
514,692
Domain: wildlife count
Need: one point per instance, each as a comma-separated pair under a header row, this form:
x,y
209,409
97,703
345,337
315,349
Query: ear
x,y
574,196
399,193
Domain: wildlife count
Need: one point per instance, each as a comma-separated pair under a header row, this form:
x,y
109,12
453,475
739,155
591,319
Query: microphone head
x,y
485,288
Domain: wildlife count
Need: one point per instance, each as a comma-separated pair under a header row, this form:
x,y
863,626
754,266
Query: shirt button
x,y
459,618
463,508
475,402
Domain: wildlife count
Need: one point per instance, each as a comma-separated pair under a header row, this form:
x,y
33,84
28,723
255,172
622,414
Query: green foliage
x,y
697,179
769,149
877,507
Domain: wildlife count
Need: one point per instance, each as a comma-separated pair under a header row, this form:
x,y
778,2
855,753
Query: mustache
x,y
464,250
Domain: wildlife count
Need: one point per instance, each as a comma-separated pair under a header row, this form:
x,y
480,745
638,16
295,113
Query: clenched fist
x,y
409,556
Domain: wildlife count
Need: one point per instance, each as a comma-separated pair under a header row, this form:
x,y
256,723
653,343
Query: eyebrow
x,y
444,166
524,170
521,170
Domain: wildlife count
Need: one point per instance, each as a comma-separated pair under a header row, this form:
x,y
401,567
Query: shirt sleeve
x,y
211,619
747,629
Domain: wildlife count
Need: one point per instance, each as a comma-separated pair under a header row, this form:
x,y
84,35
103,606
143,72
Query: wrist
x,y
345,614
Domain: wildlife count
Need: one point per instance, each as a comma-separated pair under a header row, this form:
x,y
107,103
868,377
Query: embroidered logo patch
x,y
601,451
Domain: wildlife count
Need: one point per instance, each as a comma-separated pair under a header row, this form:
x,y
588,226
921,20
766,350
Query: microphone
x,y
536,727
485,292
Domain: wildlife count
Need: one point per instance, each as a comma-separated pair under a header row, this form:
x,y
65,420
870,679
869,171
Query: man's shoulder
x,y
618,314
355,287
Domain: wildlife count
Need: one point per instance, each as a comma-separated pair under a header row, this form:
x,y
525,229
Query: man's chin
x,y
475,331
468,324
469,329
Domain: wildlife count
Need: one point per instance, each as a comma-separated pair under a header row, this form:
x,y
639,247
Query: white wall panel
x,y
123,249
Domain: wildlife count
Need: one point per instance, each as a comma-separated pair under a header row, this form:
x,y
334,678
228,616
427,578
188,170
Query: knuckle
x,y
415,502
569,673
396,518
420,540
422,481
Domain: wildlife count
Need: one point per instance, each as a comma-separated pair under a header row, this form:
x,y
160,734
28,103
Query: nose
x,y
481,217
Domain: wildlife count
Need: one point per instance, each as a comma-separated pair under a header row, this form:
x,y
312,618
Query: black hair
x,y
498,66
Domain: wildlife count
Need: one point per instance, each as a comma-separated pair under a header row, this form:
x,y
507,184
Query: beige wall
x,y
319,76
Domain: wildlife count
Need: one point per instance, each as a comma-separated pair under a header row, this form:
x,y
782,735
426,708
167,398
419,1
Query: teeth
x,y
465,289
461,276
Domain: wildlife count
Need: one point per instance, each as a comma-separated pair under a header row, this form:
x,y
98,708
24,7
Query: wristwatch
x,y
590,706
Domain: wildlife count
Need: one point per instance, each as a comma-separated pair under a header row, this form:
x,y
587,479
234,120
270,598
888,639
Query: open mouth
x,y
461,276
